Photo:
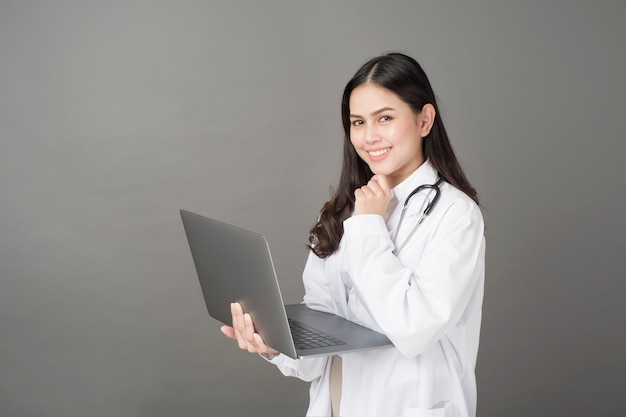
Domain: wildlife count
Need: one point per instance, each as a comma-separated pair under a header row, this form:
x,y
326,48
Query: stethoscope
x,y
429,207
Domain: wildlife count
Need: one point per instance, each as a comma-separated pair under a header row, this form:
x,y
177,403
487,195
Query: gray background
x,y
113,115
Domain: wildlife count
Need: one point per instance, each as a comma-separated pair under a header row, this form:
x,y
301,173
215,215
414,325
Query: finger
x,y
359,195
375,188
238,325
244,332
382,182
255,341
263,348
367,191
249,333
228,331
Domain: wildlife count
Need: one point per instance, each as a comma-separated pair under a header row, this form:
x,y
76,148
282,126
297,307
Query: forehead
x,y
368,98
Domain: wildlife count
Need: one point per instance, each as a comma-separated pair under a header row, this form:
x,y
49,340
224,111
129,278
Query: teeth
x,y
379,153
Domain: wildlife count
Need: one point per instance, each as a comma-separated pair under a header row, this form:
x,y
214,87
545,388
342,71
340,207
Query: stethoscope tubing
x,y
429,207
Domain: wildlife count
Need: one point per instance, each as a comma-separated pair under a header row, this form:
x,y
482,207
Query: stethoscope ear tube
x,y
429,207
435,199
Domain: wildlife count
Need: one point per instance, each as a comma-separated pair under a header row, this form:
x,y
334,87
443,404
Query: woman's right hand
x,y
373,197
243,331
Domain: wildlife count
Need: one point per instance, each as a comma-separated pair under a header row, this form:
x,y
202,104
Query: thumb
x,y
228,331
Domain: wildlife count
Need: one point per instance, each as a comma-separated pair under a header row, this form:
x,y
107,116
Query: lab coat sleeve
x,y
307,369
316,293
415,308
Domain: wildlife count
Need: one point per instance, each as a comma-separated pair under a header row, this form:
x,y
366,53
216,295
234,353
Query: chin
x,y
381,172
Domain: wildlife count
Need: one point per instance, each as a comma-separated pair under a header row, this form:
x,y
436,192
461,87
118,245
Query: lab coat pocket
x,y
445,411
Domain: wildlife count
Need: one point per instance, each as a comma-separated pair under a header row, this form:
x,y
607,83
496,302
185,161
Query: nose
x,y
371,134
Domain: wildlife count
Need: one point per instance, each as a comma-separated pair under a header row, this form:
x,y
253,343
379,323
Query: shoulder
x,y
455,204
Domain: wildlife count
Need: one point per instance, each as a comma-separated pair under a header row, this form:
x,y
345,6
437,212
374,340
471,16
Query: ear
x,y
426,119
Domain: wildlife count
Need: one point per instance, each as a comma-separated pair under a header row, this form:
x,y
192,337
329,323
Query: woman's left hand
x,y
373,197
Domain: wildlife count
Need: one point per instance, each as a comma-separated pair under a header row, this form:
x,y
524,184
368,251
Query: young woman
x,y
400,249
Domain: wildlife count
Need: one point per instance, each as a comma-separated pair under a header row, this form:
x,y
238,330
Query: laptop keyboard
x,y
306,339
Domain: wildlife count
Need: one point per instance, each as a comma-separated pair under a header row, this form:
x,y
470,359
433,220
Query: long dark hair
x,y
403,76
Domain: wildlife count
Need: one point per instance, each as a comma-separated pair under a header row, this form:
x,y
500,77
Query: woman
x,y
416,276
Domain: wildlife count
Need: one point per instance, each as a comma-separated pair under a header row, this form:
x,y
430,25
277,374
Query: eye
x,y
357,122
385,118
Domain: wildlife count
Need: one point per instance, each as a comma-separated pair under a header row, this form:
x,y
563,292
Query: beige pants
x,y
335,385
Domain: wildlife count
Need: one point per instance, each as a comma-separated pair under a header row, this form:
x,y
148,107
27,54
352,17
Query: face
x,y
386,133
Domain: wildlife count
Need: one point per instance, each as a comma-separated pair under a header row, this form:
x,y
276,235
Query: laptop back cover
x,y
234,265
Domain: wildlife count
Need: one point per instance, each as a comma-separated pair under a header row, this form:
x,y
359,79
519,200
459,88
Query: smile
x,y
378,152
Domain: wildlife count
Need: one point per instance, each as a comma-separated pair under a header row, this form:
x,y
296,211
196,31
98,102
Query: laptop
x,y
235,265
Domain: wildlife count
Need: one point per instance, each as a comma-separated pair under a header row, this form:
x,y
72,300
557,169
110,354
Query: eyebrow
x,y
384,109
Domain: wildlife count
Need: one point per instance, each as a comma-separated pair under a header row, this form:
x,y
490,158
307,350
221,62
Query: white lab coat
x,y
427,300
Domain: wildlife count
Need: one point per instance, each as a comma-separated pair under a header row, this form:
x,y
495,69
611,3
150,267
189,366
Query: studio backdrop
x,y
114,115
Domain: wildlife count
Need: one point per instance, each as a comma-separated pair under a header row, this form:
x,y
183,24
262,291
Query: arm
x,y
416,307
